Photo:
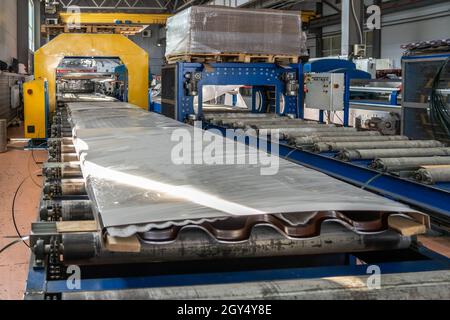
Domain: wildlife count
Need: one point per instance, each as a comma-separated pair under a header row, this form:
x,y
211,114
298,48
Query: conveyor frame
x,y
259,75
419,259
433,200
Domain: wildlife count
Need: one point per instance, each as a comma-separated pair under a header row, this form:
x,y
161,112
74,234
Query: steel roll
x,y
312,140
296,135
408,164
339,146
349,155
433,175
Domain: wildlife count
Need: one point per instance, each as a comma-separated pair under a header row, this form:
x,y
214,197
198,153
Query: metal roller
x,y
54,142
433,285
295,135
340,146
69,187
286,133
283,126
265,122
63,172
312,140
58,131
289,125
408,164
219,116
64,157
55,151
433,175
196,244
81,246
67,210
69,166
349,155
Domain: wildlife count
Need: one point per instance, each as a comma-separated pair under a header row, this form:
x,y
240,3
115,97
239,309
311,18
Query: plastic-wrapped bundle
x,y
215,29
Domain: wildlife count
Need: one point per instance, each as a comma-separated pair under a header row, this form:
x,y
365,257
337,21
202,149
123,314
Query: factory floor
x,y
17,166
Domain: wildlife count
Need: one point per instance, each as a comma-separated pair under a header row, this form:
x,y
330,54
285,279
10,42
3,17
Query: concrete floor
x,y
15,166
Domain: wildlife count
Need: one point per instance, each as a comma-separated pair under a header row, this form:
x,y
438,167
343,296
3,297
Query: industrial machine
x,y
137,253
426,90
50,62
120,218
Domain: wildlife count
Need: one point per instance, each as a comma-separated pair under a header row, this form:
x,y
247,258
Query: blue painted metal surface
x,y
122,75
262,76
433,56
161,281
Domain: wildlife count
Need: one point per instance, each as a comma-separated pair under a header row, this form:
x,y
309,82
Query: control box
x,y
325,91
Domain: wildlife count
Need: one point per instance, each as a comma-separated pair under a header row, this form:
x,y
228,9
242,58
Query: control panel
x,y
325,91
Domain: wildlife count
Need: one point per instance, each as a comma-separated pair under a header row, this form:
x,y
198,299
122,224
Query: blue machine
x,y
284,82
122,76
190,78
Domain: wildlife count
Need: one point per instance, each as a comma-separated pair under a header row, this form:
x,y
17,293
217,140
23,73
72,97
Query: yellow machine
x,y
114,18
35,95
48,58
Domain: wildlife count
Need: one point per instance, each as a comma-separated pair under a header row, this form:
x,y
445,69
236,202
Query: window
x,y
368,37
331,46
31,25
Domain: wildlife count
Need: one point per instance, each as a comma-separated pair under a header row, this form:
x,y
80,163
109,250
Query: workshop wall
x,y
8,31
150,44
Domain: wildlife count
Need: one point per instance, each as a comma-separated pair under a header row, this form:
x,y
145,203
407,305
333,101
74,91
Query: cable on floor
x,y
11,244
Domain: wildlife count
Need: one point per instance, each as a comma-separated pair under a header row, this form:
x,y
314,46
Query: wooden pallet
x,y
233,57
55,29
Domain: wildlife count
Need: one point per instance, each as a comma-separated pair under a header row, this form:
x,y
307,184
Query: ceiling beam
x,y
386,8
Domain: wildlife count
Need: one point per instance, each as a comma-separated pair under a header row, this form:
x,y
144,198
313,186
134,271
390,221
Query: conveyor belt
x,y
84,97
136,187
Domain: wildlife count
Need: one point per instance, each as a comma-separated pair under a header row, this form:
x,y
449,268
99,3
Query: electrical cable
x,y
32,152
31,175
9,245
13,211
361,37
439,109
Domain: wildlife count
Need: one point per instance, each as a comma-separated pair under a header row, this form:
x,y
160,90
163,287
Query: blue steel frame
x,y
259,75
38,284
